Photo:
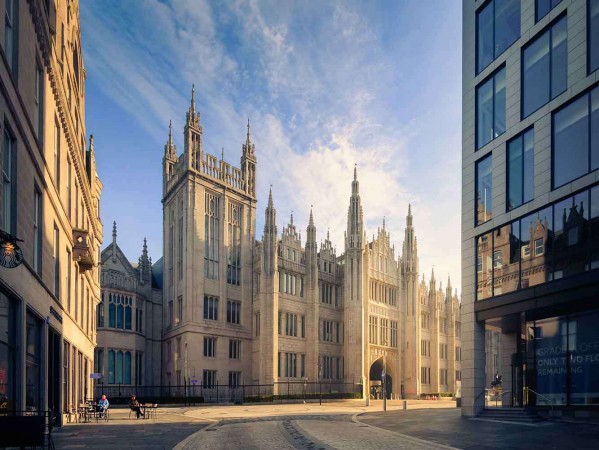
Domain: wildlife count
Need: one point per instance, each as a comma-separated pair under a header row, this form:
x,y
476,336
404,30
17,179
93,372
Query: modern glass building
x,y
530,202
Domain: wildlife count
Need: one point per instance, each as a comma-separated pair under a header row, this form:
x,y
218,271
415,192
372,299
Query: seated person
x,y
134,405
103,405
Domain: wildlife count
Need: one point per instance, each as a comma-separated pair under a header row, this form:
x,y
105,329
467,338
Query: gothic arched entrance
x,y
376,380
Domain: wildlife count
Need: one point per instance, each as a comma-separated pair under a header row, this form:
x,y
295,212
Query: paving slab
x,y
124,432
448,427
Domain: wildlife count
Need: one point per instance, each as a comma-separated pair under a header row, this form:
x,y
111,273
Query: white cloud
x,y
317,90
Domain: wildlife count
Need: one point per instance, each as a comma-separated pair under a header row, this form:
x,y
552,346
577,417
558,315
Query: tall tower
x,y
209,238
410,309
355,299
312,301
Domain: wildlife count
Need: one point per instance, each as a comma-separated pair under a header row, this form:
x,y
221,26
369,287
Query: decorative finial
x,y
311,223
114,229
291,219
270,197
222,153
248,128
355,171
383,222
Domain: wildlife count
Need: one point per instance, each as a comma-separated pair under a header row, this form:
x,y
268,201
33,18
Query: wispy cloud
x,y
326,87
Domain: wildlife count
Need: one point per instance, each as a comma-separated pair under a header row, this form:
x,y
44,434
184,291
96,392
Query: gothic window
x,y
210,347
101,312
180,247
111,367
171,241
394,333
111,312
234,245
119,311
210,307
233,312
211,226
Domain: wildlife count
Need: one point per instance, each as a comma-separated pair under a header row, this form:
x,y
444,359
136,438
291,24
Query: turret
x,y
193,135
145,264
170,157
248,164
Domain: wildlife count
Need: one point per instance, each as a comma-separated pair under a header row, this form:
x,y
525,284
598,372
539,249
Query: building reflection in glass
x,y
559,241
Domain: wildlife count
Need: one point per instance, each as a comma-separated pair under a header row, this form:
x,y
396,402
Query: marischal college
x,y
222,308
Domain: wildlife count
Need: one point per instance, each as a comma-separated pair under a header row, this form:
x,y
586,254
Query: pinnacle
x,y
270,205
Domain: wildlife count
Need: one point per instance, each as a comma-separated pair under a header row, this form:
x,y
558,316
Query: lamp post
x,y
384,376
319,382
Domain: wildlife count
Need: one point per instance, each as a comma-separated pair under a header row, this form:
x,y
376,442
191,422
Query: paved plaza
x,y
340,425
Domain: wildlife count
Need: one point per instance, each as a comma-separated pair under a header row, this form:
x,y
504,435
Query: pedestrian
x,y
135,406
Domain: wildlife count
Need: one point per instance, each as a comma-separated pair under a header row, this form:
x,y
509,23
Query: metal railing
x,y
223,393
527,389
484,392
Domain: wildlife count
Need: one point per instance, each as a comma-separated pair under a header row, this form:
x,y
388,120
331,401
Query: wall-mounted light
x,y
11,255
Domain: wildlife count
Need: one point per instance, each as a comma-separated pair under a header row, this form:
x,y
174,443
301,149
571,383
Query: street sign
x,y
95,376
194,381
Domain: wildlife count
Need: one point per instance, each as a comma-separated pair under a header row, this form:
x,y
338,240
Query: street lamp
x,y
11,255
384,376
319,382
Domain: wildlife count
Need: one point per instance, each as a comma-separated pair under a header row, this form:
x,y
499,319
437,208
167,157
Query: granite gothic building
x,y
241,311
240,308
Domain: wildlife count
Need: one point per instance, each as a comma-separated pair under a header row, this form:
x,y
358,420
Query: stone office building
x,y
530,198
50,200
242,311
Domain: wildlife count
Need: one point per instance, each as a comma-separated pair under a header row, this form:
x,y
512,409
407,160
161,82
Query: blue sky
x,y
326,85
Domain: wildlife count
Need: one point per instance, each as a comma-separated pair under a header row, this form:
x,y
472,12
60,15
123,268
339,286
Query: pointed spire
x,y
248,140
91,142
170,132
193,117
291,218
270,205
145,247
355,186
114,241
192,107
311,234
222,153
383,222
328,230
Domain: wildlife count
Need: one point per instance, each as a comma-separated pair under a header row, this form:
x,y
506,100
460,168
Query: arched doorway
x,y
376,376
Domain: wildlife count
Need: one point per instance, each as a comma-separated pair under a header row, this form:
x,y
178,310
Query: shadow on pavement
x,y
446,426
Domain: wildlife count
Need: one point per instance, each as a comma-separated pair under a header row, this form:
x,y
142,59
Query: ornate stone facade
x,y
242,311
129,320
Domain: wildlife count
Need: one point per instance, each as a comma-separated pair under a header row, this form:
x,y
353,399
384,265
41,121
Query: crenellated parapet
x,y
196,162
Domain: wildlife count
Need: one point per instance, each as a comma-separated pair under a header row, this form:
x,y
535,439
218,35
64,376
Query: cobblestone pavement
x,y
318,432
446,426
